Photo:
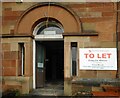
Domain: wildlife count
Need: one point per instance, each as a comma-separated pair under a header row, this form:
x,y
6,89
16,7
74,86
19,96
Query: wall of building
x,y
11,65
84,42
94,18
99,18
10,49
90,14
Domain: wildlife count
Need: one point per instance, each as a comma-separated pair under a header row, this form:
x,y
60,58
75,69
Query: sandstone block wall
x,y
94,17
11,66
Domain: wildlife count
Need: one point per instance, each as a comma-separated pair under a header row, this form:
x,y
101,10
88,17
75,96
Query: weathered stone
x,y
87,74
106,74
67,88
14,46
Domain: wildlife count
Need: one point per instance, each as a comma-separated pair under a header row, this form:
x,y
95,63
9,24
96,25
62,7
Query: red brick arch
x,y
66,17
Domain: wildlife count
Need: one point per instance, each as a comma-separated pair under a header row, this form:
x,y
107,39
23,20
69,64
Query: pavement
x,y
50,89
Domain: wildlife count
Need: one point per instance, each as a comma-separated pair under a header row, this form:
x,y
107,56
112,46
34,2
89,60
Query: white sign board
x,y
98,59
40,65
49,32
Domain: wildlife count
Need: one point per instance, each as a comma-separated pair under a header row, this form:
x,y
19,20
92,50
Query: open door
x,y
40,68
49,62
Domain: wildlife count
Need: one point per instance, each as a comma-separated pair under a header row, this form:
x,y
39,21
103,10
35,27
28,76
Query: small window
x,y
74,58
21,59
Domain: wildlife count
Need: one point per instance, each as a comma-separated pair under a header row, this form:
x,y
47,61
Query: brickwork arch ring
x,y
30,18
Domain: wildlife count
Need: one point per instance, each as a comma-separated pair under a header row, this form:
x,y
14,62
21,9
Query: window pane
x,y
74,57
21,59
50,26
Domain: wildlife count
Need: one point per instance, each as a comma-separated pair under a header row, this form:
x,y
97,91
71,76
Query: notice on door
x,y
40,65
98,59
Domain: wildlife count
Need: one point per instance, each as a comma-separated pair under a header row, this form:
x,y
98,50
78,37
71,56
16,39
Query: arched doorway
x,y
47,16
49,62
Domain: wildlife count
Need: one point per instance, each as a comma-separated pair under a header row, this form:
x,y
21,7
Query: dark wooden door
x,y
40,68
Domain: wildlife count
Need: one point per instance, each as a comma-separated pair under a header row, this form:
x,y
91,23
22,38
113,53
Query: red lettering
x,y
109,54
86,55
104,55
91,55
98,56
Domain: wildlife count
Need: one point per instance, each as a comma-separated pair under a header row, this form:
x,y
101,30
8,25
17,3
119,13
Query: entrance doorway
x,y
49,62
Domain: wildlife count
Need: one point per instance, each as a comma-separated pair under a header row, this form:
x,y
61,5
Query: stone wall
x,y
11,66
92,14
94,17
11,13
10,49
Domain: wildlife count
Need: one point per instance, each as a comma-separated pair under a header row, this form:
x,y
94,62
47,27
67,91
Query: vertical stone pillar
x,y
67,68
28,58
67,62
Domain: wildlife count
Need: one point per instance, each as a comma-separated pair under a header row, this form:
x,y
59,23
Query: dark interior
x,y
54,62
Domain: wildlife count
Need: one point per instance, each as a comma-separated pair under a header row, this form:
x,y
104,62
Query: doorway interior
x,y
52,57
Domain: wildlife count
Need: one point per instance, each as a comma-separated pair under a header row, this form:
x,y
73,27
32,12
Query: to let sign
x,y
98,58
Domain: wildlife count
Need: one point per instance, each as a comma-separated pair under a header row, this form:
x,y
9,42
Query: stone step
x,y
48,92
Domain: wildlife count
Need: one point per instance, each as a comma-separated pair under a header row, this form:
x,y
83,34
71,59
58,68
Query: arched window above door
x,y
48,27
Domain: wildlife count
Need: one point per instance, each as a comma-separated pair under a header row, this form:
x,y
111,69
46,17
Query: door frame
x,y
39,38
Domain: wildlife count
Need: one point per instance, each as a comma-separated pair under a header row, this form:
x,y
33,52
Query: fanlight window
x,y
50,27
